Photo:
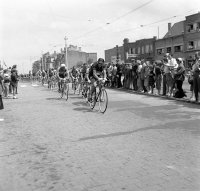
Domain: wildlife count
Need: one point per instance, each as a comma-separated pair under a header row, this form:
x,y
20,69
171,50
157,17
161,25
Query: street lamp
x,y
66,61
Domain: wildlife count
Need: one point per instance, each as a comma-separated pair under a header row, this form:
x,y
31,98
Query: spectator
x,y
196,79
143,76
171,63
114,76
139,85
190,81
146,76
119,75
1,90
158,77
179,77
151,77
6,83
135,76
14,80
164,70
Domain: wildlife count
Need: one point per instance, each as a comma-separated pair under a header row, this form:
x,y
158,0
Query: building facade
x,y
115,55
75,57
140,49
173,42
191,36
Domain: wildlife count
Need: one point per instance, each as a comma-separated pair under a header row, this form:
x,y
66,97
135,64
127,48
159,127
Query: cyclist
x,y
43,76
74,75
85,78
62,74
97,71
38,75
49,76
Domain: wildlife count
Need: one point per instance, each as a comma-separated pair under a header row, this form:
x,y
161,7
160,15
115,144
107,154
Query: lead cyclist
x,y
97,73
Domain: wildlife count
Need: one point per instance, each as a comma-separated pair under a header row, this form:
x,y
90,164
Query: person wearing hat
x,y
196,76
179,77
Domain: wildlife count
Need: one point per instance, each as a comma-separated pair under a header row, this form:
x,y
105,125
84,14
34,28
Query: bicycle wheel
x,y
103,101
61,92
93,100
74,87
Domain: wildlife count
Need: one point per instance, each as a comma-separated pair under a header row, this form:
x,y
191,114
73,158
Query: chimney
x,y
126,41
169,26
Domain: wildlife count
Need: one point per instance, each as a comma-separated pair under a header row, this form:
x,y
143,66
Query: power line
x,y
116,19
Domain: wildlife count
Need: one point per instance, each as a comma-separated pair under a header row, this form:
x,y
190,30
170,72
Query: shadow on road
x,y
54,98
184,125
81,108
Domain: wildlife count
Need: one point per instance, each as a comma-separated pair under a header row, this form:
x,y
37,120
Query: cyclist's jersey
x,y
74,73
84,71
50,73
99,69
62,72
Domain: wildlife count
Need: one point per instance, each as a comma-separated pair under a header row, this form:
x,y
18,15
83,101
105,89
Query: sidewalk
x,y
186,88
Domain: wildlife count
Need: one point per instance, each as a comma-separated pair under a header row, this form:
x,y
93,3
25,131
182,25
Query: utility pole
x,y
158,32
66,61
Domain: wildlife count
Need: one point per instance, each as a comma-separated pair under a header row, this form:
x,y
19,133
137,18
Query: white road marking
x,y
1,119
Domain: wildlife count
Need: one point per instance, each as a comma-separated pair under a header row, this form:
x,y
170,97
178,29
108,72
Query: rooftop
x,y
176,29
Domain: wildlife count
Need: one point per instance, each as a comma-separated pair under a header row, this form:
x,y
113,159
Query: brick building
x,y
191,36
114,54
140,49
75,57
172,42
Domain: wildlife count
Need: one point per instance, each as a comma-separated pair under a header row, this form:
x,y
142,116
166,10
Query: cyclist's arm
x,y
104,74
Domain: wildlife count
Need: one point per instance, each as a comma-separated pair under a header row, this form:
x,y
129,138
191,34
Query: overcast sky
x,y
30,27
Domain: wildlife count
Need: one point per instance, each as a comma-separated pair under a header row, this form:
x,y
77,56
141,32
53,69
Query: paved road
x,y
140,143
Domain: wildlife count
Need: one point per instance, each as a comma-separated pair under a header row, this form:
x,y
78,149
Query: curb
x,y
152,95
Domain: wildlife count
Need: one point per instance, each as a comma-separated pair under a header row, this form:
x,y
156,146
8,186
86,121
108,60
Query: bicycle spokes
x,y
103,101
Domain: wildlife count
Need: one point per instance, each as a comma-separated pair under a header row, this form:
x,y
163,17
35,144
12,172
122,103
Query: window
x,y
190,27
190,45
138,50
151,48
169,49
147,49
142,49
133,50
160,51
178,48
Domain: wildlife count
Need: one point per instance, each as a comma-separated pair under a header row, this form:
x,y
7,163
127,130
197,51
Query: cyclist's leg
x,y
93,88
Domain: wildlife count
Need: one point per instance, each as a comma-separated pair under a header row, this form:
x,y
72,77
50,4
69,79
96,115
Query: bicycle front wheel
x,y
93,100
103,101
66,93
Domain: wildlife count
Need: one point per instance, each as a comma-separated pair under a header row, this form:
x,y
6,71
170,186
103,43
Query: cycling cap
x,y
62,65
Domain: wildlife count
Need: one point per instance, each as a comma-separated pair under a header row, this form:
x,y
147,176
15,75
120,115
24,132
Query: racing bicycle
x,y
100,96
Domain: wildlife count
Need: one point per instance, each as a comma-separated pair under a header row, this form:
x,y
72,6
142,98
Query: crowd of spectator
x,y
163,78
9,82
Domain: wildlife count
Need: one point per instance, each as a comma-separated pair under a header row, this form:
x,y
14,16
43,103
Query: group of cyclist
x,y
91,74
